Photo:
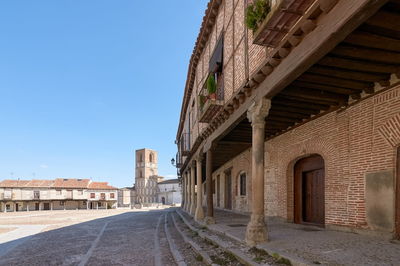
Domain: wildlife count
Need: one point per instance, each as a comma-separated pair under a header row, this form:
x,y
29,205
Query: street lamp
x,y
173,162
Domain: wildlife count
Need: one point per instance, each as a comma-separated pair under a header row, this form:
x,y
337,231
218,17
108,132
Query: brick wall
x,y
353,142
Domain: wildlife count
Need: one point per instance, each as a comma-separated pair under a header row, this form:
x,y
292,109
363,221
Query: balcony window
x,y
211,97
36,194
102,196
111,195
92,195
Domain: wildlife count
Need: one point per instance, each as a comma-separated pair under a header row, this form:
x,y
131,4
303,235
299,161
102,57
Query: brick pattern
x,y
353,142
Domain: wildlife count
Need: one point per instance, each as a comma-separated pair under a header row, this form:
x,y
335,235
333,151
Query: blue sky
x,y
85,83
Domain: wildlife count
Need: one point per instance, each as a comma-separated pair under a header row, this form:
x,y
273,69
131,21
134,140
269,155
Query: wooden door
x,y
228,190
46,206
398,195
309,188
36,206
17,207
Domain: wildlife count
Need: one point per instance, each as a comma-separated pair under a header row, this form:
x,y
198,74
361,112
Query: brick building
x,y
58,194
302,117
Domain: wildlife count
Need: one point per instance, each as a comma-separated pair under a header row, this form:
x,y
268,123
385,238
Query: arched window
x,y
242,184
151,157
140,158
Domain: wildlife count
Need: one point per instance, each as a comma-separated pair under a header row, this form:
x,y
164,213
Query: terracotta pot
x,y
212,96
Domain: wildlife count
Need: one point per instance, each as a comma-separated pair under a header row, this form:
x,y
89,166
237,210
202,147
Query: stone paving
x,y
113,237
314,245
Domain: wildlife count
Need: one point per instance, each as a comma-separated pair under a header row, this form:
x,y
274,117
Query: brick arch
x,y
323,147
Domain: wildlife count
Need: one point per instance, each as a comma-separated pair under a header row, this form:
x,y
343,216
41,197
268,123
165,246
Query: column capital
x,y
258,111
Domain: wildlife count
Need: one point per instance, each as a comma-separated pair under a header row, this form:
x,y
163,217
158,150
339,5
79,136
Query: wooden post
x,y
199,215
192,190
210,204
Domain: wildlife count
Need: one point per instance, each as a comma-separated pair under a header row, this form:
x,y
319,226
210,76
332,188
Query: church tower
x,y
146,176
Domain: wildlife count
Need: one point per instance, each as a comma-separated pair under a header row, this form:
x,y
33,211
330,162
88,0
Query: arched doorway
x,y
309,191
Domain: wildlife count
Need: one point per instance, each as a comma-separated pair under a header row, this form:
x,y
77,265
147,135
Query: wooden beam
x,y
296,116
358,65
367,54
316,95
371,40
330,88
384,19
332,29
326,80
286,108
283,118
346,74
288,101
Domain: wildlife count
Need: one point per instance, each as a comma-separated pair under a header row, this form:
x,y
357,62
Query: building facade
x,y
169,192
146,176
302,117
58,194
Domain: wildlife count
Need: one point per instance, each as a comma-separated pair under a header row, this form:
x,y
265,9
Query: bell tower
x,y
146,175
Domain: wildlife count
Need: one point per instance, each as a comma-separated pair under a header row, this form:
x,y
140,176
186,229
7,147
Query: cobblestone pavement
x,y
114,237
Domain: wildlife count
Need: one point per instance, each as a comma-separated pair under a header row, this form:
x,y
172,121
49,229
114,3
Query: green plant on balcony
x,y
211,87
256,12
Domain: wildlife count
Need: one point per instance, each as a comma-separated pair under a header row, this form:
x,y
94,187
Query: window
x,y
111,195
80,192
140,158
242,180
99,204
58,191
102,196
92,195
36,194
151,157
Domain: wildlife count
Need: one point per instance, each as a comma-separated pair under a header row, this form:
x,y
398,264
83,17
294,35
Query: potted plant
x,y
256,12
211,87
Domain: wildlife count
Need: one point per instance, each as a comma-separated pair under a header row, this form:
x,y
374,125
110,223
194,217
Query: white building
x,y
58,194
169,192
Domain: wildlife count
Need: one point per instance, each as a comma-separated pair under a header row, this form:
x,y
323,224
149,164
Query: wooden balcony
x,y
184,144
212,104
282,17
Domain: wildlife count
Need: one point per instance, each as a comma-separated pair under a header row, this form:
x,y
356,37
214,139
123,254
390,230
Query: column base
x,y
199,214
209,220
192,210
256,231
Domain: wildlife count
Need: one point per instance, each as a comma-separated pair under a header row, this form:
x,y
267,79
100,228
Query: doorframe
x,y
397,196
297,188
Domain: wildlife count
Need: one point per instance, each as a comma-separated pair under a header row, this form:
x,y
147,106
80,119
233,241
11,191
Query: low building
x,y
169,192
58,194
126,197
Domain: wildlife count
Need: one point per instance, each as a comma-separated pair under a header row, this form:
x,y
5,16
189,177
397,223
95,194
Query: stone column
x,y
187,191
257,229
210,204
199,214
15,207
184,192
192,190
51,205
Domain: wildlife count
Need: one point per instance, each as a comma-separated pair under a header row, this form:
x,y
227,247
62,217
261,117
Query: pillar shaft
x,y
209,190
192,191
187,191
199,215
257,229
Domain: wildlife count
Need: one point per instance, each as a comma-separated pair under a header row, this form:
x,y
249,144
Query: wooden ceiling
x,y
369,55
